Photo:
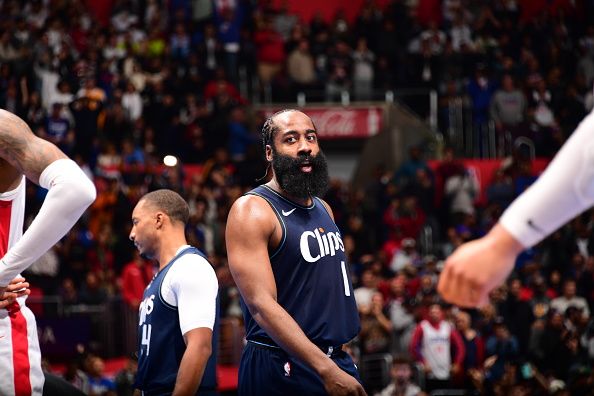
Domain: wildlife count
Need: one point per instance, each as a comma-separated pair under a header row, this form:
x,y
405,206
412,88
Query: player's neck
x,y
169,247
273,184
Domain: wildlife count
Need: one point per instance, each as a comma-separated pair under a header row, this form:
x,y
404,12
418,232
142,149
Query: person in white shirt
x,y
569,299
401,385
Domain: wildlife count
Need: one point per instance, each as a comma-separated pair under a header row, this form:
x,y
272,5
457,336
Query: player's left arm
x,y
70,192
193,363
195,286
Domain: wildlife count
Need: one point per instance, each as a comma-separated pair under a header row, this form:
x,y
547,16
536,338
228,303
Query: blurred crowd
x,y
148,78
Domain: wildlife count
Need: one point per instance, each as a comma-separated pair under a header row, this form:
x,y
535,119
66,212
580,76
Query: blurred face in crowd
x,y
368,279
515,286
435,313
299,165
463,321
569,289
401,373
397,285
556,320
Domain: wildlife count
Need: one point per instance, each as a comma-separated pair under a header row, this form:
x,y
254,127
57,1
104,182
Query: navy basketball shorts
x,y
266,371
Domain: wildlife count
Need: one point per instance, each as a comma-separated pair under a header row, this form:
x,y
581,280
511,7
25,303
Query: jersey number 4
x,y
146,337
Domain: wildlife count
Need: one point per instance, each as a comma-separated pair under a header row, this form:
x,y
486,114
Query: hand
x,y
455,369
489,362
376,309
477,267
339,383
15,289
426,369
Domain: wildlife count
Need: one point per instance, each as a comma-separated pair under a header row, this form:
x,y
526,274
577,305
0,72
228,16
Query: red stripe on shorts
x,y
20,350
18,323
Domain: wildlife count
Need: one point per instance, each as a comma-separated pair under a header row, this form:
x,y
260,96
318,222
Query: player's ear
x,y
268,153
159,217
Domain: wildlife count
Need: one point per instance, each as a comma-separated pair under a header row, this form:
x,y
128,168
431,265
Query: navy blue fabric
x,y
160,341
271,372
310,270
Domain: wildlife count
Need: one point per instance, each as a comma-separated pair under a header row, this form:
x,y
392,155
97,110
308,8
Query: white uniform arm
x,y
191,285
70,192
563,191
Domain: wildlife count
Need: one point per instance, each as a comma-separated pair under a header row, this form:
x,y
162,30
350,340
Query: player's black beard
x,y
297,183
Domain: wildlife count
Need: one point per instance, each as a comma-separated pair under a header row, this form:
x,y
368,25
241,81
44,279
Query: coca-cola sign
x,y
341,123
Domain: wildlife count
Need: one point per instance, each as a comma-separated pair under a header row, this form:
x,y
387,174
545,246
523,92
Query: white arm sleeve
x,y
564,190
191,285
70,194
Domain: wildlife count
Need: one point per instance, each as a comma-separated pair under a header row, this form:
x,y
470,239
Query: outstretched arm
x,y
564,190
70,192
250,225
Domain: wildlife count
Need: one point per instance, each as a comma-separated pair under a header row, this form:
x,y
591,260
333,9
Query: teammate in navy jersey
x,y
179,307
287,257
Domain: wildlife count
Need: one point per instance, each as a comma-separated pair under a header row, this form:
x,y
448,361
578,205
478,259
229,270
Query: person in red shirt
x,y
136,275
271,51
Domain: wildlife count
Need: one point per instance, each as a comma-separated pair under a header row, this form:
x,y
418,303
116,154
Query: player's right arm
x,y
70,192
250,225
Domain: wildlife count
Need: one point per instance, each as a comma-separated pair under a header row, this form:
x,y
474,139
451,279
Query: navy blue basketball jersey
x,y
311,273
160,341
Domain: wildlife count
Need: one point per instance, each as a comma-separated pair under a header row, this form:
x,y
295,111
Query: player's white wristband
x,y
70,192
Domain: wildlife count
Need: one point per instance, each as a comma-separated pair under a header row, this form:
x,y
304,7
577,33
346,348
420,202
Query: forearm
x,y
384,322
283,329
564,190
191,370
70,193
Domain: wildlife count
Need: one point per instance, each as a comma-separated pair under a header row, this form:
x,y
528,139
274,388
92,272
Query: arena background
x,y
434,116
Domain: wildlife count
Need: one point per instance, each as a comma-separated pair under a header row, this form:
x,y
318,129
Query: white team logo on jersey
x,y
146,308
328,244
287,368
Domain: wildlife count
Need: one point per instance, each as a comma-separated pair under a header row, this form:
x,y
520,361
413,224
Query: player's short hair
x,y
169,202
270,128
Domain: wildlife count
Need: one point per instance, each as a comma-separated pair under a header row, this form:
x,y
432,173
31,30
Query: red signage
x,y
343,123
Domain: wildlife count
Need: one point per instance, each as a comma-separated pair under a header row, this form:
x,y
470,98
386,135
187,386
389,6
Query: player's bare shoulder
x,y
22,149
251,214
